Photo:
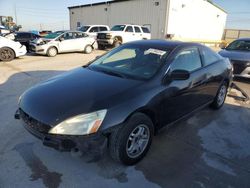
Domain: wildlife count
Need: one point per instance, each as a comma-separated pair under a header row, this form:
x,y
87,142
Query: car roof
x,y
164,43
245,39
96,25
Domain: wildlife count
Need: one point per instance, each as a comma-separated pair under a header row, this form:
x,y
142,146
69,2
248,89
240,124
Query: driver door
x,y
129,34
181,97
67,42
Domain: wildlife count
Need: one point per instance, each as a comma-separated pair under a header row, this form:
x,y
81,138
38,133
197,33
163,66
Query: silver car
x,y
63,41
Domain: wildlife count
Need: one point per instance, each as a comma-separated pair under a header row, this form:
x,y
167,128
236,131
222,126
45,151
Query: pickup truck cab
x,y
92,30
120,34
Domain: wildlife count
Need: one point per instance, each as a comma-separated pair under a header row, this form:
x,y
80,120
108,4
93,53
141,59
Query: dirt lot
x,y
210,149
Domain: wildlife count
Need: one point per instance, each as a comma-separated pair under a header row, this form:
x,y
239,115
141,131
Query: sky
x,y
54,14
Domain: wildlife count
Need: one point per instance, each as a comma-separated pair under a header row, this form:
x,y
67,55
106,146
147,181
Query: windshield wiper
x,y
113,73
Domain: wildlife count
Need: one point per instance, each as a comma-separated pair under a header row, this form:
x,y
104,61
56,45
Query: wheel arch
x,y
119,38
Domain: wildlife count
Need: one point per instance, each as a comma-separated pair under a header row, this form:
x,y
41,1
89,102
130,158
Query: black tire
x,y
101,47
88,49
117,42
6,54
119,139
220,96
52,52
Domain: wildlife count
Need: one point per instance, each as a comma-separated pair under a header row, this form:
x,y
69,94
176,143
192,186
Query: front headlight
x,y
81,124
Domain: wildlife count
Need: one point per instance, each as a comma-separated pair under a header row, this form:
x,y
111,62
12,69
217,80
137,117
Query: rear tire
x,y
52,52
6,54
220,97
130,143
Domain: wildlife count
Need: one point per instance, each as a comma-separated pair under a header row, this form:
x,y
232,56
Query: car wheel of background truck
x,y
88,49
101,47
117,42
6,54
220,97
52,52
129,143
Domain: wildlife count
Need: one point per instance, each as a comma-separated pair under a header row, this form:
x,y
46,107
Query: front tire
x,y
6,54
220,97
130,143
52,52
88,49
117,42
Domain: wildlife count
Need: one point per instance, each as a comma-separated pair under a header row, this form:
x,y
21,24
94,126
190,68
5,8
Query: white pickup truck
x,y
120,34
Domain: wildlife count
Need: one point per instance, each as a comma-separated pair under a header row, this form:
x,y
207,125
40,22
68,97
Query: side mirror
x,y
61,39
179,75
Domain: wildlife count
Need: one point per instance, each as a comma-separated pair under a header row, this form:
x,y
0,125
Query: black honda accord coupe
x,y
121,99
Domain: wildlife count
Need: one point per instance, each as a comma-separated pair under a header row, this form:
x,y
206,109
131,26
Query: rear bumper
x,y
94,143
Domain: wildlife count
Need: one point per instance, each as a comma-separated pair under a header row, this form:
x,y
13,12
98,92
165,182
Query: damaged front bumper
x,y
93,144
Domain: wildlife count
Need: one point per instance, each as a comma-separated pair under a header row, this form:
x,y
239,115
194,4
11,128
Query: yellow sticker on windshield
x,y
154,51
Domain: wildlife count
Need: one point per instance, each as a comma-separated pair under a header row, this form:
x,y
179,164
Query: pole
x,y
15,14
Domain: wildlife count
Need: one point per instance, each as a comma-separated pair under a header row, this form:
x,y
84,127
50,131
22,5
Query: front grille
x,y
101,36
239,66
33,123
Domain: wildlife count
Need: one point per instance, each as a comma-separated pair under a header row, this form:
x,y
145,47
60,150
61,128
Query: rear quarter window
x,y
145,30
209,56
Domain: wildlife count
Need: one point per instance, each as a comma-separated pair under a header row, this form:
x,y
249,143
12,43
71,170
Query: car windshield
x,y
54,35
118,28
241,45
131,62
84,28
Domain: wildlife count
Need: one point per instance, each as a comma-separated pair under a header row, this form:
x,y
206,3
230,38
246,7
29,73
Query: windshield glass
x,y
239,45
84,28
54,35
131,62
118,28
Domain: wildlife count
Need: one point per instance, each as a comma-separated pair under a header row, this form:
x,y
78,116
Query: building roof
x,y
100,3
117,1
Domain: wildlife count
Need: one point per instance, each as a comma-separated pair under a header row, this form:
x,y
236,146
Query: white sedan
x,y
63,41
10,49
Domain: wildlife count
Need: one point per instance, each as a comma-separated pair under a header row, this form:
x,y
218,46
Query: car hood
x,y
40,40
235,55
75,92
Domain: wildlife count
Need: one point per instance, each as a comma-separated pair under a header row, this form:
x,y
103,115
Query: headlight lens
x,y
81,124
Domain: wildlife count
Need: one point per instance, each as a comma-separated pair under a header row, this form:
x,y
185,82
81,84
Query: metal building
x,y
192,20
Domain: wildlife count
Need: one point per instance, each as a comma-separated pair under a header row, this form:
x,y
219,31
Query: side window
x,y
103,29
80,35
129,29
93,30
188,59
23,35
209,56
68,36
145,30
137,30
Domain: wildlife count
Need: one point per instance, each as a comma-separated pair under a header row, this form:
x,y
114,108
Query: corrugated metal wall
x,y
233,34
141,12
